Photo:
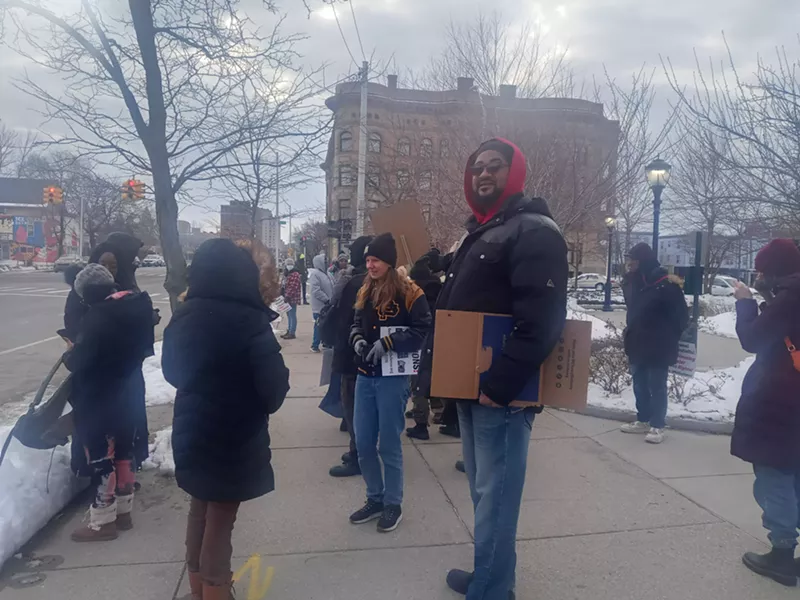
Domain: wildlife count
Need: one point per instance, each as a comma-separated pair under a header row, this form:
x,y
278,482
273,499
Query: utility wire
x,y
339,25
358,33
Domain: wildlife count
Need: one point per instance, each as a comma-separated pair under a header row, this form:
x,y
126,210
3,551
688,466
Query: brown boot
x,y
218,592
124,509
196,586
102,526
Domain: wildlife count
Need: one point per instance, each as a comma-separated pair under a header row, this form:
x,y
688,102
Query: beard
x,y
484,203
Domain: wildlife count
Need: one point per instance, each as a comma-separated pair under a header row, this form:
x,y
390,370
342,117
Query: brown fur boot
x,y
102,526
196,586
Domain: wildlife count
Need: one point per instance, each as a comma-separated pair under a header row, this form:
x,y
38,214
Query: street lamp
x,y
610,222
657,178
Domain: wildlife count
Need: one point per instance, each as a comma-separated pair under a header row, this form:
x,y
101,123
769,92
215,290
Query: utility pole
x,y
362,153
277,209
80,230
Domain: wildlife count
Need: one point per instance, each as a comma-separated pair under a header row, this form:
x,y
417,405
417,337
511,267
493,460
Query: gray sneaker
x,y
635,427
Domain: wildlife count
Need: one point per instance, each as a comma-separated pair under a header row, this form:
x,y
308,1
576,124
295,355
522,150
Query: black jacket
x,y
766,431
410,311
125,248
657,316
108,395
515,264
220,353
344,359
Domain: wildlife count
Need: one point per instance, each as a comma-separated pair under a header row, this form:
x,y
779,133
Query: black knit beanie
x,y
383,248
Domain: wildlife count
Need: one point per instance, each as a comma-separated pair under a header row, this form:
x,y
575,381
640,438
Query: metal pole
x,y
698,275
277,209
80,230
656,215
362,153
607,302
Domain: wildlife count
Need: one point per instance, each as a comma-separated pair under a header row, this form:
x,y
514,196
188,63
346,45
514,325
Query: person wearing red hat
x,y
766,430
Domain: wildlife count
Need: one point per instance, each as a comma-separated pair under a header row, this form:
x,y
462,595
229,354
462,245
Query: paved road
x,y
31,311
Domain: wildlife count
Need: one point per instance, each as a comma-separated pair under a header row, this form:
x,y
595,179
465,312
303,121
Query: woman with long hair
x,y
391,315
220,353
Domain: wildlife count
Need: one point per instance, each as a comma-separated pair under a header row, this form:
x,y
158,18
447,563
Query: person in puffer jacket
x,y
321,284
384,301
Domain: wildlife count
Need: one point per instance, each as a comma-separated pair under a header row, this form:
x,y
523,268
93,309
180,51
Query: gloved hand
x,y
360,347
376,353
434,259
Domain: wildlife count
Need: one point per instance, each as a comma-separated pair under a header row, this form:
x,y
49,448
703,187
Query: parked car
x,y
153,260
592,281
64,262
724,285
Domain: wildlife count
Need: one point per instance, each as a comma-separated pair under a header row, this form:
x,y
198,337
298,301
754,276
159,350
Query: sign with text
x,y
687,353
398,363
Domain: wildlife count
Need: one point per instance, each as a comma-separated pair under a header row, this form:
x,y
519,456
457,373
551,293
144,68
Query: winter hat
x,y
357,257
93,275
779,258
384,248
289,264
642,252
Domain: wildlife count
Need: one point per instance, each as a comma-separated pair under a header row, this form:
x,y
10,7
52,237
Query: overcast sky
x,y
620,34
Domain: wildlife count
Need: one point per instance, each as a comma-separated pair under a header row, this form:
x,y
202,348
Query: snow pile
x,y
719,393
25,503
161,454
713,305
723,324
600,329
158,391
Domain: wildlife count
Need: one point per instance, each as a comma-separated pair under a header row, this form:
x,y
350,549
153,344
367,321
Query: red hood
x,y
515,184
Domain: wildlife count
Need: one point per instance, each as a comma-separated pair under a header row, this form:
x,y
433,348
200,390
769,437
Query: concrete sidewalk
x,y
605,516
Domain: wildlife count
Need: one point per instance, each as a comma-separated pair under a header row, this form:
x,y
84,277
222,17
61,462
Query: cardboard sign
x,y
398,363
405,222
687,353
465,343
281,306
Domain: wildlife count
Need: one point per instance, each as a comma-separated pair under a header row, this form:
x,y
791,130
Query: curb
x,y
678,423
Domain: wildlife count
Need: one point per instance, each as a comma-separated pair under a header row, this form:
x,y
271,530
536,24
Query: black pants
x,y
348,394
450,413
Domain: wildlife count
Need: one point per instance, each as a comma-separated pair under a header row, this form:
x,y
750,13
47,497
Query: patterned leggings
x,y
112,464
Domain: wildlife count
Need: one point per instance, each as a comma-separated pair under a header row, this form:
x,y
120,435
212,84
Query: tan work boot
x,y
219,592
102,526
124,509
196,586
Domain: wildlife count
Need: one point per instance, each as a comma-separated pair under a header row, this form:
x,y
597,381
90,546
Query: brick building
x,y
238,221
418,143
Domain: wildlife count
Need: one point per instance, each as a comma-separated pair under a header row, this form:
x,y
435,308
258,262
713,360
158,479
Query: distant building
x,y
192,240
184,227
238,220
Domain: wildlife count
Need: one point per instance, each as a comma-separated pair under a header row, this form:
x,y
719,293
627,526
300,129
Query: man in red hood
x,y
512,261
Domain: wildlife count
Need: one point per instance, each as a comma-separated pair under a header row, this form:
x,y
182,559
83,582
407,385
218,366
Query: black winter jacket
x,y
515,264
220,353
344,359
657,316
410,311
766,431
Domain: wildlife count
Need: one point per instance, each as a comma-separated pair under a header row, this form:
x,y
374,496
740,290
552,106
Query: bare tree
x,y
160,88
15,148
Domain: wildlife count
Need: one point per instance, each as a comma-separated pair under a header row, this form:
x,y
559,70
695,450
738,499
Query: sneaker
x,y
315,350
289,336
451,430
778,564
390,519
418,432
460,466
371,510
654,436
458,581
635,427
348,469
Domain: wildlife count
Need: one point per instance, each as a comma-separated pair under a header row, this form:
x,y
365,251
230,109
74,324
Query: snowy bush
x,y
609,363
684,390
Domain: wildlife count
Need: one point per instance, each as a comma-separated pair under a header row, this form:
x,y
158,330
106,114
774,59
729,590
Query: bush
x,y
683,390
609,364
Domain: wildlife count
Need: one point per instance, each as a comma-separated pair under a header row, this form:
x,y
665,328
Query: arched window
x,y
425,180
402,178
444,148
426,148
345,141
404,147
374,144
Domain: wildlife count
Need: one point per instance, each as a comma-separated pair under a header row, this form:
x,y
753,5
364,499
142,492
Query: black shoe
x,y
451,430
289,336
437,418
778,564
349,457
418,432
460,466
371,510
315,350
348,469
343,426
458,581
390,519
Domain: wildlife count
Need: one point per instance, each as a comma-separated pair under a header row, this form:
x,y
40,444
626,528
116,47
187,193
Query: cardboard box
x,y
405,222
466,342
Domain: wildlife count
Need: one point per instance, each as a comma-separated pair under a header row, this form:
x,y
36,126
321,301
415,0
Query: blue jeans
x,y
292,316
379,420
650,389
315,341
495,445
778,494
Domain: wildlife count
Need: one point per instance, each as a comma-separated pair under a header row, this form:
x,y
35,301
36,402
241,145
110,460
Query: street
x,y
32,310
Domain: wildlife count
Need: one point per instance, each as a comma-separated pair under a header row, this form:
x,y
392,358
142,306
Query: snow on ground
x,y
161,454
158,391
600,329
722,389
723,324
713,305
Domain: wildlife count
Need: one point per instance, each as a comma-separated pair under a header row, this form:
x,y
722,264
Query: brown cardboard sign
x,y
405,222
466,342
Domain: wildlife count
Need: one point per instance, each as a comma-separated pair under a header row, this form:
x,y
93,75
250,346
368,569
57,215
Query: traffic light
x,y
138,190
53,195
132,190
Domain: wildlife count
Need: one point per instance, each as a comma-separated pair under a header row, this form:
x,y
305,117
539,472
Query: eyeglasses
x,y
492,168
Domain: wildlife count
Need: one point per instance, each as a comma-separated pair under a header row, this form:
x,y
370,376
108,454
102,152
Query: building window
x,y
426,148
374,144
402,178
345,175
425,180
374,176
404,147
426,213
444,148
345,141
344,208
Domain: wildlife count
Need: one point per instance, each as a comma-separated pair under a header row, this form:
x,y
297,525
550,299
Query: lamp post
x,y
610,222
657,178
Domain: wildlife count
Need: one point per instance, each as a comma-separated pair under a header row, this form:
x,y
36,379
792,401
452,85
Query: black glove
x,y
434,258
360,347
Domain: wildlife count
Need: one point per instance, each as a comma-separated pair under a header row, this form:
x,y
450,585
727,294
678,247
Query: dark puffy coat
x,y
514,264
344,359
220,353
657,316
74,308
767,427
125,248
114,337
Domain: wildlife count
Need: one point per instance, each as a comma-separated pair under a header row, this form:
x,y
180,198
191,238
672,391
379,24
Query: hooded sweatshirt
x,y
320,284
514,185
